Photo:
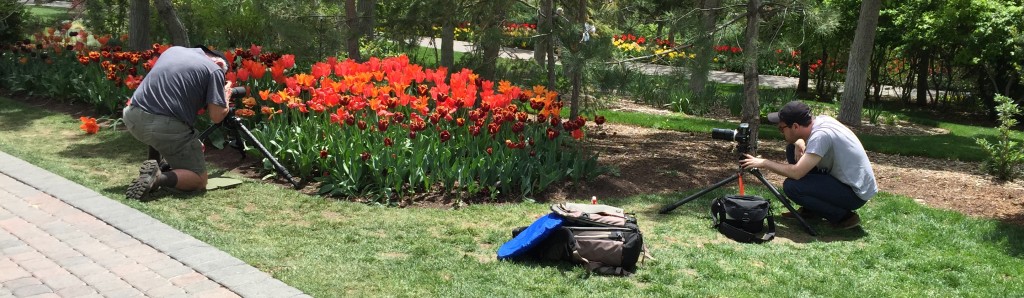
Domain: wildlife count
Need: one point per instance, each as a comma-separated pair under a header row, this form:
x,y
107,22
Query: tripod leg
x,y
675,205
785,201
277,165
206,133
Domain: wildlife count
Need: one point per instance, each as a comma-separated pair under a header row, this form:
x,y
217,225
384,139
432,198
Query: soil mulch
x,y
657,161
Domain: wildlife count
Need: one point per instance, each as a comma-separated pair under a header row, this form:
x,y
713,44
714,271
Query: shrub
x,y
14,15
1004,155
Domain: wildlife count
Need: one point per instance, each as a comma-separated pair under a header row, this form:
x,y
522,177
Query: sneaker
x,y
804,213
851,221
146,181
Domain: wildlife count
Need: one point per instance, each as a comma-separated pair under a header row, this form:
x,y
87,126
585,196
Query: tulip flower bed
x,y
521,35
387,128
380,129
70,64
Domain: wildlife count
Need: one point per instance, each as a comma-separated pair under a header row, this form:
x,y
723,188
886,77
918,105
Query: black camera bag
x,y
605,239
742,218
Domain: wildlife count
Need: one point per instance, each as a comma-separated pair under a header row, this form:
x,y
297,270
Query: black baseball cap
x,y
793,112
211,52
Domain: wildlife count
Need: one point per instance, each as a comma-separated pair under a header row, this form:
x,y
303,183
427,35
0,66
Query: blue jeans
x,y
821,193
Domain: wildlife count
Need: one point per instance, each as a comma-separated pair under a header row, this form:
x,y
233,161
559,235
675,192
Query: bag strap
x,y
771,228
739,234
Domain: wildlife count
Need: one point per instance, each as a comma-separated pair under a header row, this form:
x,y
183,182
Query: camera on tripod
x,y
232,123
741,135
241,135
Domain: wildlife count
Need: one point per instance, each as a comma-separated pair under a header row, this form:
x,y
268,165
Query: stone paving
x,y
60,239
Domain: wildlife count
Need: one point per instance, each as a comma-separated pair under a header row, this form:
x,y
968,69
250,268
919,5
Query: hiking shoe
x,y
146,181
804,213
851,221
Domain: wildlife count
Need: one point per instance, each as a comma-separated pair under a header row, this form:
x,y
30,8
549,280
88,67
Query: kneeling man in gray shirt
x,y
828,172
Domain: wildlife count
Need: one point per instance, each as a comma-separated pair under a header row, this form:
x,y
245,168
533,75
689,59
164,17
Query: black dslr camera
x,y
232,122
741,135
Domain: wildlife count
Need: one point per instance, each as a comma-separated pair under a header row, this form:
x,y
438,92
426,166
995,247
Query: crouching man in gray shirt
x,y
828,172
162,114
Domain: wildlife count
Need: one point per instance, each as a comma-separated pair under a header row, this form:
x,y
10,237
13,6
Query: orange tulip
x,y
89,125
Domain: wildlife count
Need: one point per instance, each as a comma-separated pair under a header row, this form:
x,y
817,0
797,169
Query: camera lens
x,y
238,92
723,134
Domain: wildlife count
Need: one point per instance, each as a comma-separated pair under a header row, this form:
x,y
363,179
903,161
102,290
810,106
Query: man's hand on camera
x,y
752,162
227,93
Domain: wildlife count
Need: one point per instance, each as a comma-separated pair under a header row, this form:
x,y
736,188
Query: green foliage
x,y
107,16
296,27
653,90
611,77
874,114
41,17
14,15
1005,156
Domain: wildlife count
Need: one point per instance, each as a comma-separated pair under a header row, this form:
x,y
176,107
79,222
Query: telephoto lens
x,y
238,92
723,134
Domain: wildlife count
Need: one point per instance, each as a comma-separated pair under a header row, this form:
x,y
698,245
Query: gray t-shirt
x,y
183,81
842,156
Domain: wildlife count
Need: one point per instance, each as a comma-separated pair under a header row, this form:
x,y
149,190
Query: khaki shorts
x,y
175,140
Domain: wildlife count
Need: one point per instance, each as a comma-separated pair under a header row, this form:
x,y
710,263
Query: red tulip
x,y
445,136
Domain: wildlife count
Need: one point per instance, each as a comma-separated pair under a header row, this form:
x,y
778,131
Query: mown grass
x,y
337,248
45,12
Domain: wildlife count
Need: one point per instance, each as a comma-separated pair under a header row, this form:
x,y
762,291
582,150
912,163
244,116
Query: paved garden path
x,y
60,239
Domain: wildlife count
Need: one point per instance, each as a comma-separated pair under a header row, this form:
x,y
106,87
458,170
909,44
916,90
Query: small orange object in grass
x,y
89,125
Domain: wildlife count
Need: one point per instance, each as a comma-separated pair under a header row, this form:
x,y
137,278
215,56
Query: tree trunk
x,y
805,72
819,74
367,10
490,39
353,31
551,65
577,73
138,26
549,7
179,35
540,47
922,78
801,85
448,44
699,69
751,107
852,102
875,79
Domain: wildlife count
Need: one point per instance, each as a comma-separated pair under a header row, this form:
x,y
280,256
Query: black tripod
x,y
757,173
234,126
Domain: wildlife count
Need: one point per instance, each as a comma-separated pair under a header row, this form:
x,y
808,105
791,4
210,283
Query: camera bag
x,y
603,238
744,218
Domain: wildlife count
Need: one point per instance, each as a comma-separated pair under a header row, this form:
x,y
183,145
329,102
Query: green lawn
x,y
337,248
45,12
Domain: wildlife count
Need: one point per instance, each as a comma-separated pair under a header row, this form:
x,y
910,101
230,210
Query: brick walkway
x,y
60,239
